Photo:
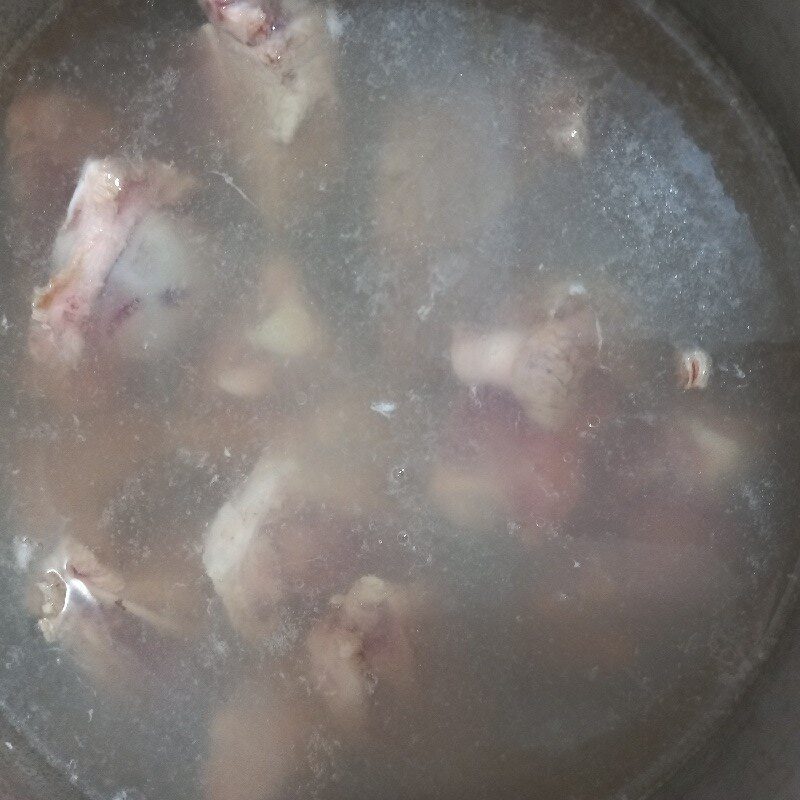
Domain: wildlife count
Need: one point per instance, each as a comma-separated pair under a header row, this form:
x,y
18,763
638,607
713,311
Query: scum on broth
x,y
385,449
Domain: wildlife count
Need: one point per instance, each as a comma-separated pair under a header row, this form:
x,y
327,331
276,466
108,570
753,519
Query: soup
x,y
403,404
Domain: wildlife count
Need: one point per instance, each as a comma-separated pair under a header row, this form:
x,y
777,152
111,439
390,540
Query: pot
x,y
754,754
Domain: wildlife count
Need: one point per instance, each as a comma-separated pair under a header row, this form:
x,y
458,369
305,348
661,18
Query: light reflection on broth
x,y
387,415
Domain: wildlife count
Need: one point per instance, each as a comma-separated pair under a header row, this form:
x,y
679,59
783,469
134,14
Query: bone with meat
x,y
113,221
543,366
287,533
118,631
363,642
240,560
270,71
511,452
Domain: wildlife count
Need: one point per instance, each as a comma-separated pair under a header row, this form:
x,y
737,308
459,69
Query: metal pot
x,y
756,756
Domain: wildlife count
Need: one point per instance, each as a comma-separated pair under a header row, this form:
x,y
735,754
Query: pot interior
x,y
438,441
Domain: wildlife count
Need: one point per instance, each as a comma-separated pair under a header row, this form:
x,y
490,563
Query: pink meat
x,y
496,466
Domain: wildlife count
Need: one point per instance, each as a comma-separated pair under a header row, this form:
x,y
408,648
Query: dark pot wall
x,y
760,39
759,756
